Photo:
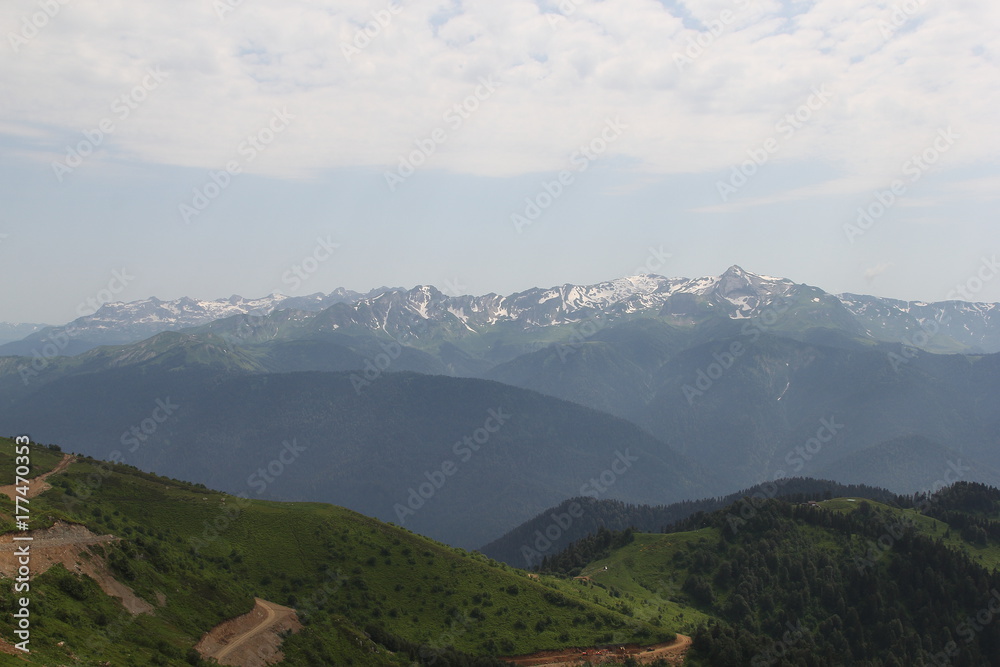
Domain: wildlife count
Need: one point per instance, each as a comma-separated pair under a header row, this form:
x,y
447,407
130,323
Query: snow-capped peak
x,y
736,293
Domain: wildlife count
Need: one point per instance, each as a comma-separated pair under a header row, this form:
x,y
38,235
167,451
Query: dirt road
x,y
673,653
69,544
37,485
61,534
250,640
266,622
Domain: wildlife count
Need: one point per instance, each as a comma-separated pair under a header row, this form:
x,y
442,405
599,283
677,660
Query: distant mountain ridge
x,y
463,460
950,326
121,323
527,544
740,368
11,332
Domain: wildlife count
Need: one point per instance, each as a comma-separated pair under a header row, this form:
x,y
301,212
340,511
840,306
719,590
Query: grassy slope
x,y
643,575
343,570
647,574
987,556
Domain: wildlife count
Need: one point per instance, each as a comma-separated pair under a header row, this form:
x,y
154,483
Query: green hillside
x,y
520,547
199,557
840,582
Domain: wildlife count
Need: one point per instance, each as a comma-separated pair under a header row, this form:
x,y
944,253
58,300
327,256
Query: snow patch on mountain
x,y
737,294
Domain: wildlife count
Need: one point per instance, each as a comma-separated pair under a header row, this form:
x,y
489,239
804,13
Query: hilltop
x,y
846,581
185,559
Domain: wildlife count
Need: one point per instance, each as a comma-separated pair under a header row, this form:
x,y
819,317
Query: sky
x,y
207,148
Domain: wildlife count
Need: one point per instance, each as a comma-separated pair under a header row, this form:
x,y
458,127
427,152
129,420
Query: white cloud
x,y
560,80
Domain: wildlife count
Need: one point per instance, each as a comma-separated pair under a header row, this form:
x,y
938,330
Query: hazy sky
x,y
713,133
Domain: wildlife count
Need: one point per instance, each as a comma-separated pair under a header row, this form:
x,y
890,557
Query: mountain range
x,y
10,333
956,326
460,460
715,384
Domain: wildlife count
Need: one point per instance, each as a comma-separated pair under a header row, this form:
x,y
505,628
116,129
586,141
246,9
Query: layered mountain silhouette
x,y
716,383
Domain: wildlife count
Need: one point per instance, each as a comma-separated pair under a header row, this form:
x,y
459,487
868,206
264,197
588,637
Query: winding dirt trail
x,y
65,543
673,653
69,543
37,485
250,640
270,614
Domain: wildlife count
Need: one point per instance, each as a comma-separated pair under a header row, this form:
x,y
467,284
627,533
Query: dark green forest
x,y
838,583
